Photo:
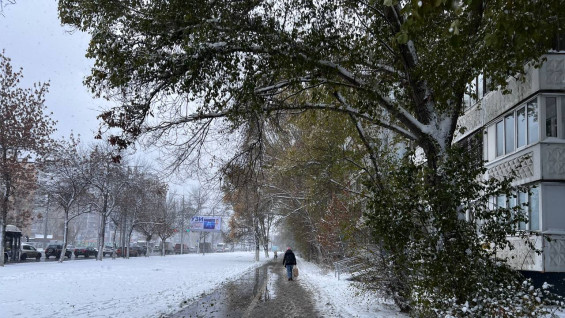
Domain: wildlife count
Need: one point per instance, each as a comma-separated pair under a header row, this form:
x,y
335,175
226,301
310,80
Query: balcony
x,y
550,77
543,161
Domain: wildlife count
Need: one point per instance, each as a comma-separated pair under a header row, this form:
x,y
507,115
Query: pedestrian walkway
x,y
263,292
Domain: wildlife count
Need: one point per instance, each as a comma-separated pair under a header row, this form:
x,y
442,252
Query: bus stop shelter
x,y
12,243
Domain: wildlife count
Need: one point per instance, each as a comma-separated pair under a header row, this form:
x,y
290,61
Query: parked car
x,y
28,251
107,251
185,249
55,250
220,247
142,250
85,251
133,251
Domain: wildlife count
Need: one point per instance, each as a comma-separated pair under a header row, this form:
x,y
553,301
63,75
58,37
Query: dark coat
x,y
289,258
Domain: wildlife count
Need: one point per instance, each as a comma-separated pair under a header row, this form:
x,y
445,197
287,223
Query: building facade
x,y
523,133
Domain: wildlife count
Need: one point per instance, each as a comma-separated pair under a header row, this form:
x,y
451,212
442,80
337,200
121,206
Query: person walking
x,y
289,261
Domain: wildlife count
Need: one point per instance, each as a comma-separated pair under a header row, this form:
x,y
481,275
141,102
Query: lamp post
x,y
182,227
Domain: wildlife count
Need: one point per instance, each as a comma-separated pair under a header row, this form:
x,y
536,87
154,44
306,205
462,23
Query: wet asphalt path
x,y
263,292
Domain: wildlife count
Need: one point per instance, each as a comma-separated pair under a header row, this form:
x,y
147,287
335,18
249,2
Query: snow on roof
x,y
12,228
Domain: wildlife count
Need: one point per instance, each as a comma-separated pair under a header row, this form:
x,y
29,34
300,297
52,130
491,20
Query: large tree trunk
x,y
65,235
257,237
130,230
101,233
319,253
114,245
147,240
2,235
102,230
265,244
4,211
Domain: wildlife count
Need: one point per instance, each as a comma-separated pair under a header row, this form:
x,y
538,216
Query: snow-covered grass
x,y
135,287
343,298
148,287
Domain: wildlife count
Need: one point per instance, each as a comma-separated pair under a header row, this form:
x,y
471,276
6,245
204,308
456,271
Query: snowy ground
x,y
343,298
150,286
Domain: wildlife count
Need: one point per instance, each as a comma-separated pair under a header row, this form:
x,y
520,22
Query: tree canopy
x,y
401,65
25,136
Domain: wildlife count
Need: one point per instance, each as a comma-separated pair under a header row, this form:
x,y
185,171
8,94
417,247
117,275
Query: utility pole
x,y
46,222
182,228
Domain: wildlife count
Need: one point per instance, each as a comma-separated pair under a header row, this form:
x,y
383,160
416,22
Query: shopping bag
x,y
295,271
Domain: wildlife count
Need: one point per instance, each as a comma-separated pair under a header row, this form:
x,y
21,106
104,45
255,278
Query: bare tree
x,y
154,193
5,3
186,212
24,137
131,204
66,182
107,180
166,220
198,200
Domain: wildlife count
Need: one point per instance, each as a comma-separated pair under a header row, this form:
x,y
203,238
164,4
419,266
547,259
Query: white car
x,y
28,251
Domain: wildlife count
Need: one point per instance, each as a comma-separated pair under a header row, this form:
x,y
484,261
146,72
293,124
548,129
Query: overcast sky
x,y
33,38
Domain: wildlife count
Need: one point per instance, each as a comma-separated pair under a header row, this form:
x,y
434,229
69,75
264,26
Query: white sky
x,y
33,38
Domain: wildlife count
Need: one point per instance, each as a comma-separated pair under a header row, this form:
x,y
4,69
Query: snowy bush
x,y
439,232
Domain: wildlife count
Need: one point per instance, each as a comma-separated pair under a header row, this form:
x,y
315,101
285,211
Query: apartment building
x,y
524,133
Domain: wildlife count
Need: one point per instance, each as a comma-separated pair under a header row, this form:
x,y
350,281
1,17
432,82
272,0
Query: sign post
x,y
205,224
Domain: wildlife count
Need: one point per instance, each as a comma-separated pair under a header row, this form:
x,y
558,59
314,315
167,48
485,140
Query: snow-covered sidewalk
x,y
343,298
151,286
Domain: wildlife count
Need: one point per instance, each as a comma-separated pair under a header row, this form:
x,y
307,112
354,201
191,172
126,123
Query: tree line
x,y
75,179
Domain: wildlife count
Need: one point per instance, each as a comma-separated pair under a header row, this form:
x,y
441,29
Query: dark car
x,y
141,250
133,251
28,251
86,251
177,248
55,250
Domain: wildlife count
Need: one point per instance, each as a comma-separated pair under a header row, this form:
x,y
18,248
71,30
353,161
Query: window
x,y
501,201
529,206
559,42
533,125
533,206
521,126
522,202
529,203
551,117
518,128
473,144
475,90
480,86
563,117
512,202
499,138
509,133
